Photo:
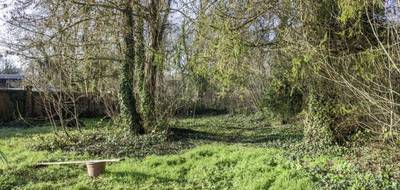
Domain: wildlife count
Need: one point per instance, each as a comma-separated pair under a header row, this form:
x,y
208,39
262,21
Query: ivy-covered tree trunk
x,y
142,92
149,68
149,86
128,99
318,121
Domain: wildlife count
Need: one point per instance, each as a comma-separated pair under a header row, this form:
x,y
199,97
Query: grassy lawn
x,y
223,152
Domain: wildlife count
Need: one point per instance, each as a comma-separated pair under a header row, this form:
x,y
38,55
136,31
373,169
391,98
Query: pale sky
x,y
4,35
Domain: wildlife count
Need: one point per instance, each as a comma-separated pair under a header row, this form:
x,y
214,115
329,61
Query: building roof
x,y
12,76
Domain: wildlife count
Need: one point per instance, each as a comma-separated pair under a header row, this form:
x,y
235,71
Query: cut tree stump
x,y
94,167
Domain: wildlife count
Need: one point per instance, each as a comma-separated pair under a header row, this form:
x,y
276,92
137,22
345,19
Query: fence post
x,y
28,101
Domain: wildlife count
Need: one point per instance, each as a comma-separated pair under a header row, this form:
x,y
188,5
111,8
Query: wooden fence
x,y
16,103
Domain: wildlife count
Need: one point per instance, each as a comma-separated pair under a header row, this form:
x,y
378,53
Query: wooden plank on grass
x,y
77,162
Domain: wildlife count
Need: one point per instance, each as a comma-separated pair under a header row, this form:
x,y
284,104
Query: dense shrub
x,y
200,110
282,100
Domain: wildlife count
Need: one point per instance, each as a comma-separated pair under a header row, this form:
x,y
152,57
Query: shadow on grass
x,y
22,128
9,132
128,176
190,134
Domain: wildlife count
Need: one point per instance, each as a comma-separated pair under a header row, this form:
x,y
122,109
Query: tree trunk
x,y
319,120
128,99
142,92
148,86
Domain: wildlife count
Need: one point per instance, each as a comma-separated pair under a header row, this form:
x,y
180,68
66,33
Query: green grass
x,y
214,166
206,167
227,152
239,129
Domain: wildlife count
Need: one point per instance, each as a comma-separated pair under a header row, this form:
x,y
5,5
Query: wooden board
x,y
77,162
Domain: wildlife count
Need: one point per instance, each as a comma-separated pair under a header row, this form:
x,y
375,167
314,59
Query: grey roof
x,y
12,76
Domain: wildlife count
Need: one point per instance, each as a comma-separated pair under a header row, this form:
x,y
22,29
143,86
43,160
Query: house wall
x,y
14,84
3,83
8,83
